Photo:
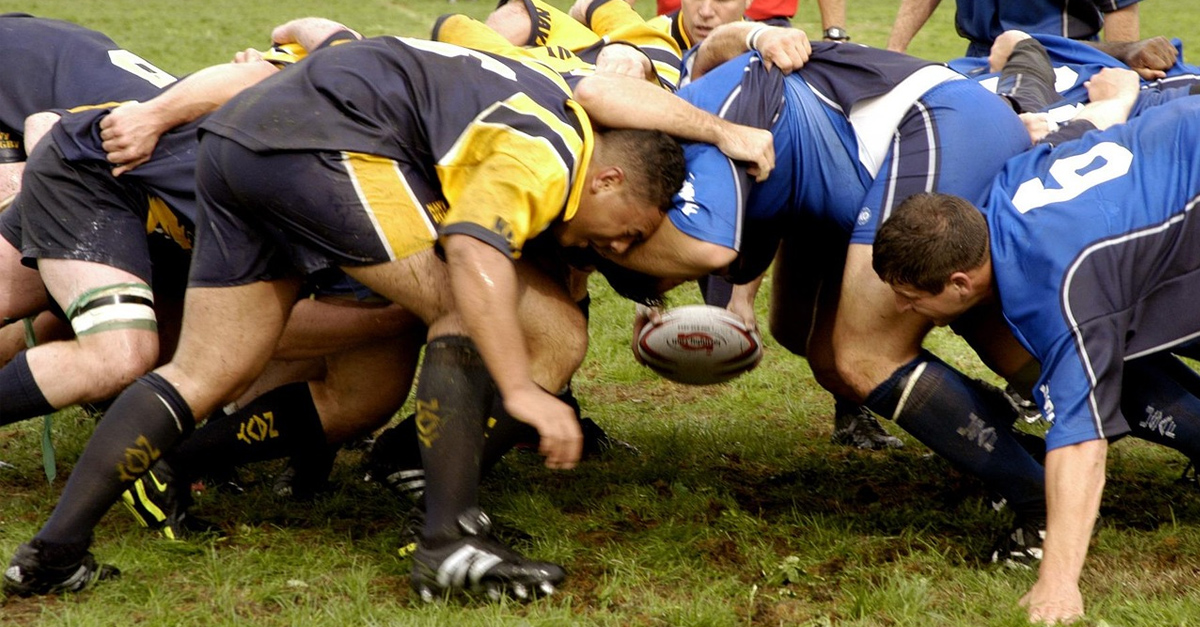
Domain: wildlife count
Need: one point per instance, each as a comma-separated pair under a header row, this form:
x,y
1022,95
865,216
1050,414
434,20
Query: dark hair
x,y
928,238
652,161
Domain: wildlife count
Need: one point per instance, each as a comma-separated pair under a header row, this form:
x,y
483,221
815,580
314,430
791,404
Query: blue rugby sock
x,y
966,422
1160,403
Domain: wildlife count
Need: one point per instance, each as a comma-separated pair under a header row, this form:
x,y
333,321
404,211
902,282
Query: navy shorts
x,y
79,211
266,216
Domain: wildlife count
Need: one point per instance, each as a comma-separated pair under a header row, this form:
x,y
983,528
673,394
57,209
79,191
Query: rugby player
x,y
1089,247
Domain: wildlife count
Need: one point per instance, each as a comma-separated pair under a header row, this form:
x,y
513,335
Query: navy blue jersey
x,y
854,130
982,21
50,64
1096,254
170,174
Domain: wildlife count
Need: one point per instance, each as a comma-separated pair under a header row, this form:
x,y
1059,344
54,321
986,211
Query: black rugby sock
x,y
966,422
20,396
1160,403
147,419
279,423
454,394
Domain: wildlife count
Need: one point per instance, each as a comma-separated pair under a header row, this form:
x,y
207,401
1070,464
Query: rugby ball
x,y
698,345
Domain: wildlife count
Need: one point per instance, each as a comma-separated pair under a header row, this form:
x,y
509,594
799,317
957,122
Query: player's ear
x,y
608,178
961,282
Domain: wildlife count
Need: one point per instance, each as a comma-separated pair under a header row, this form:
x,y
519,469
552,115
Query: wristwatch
x,y
836,33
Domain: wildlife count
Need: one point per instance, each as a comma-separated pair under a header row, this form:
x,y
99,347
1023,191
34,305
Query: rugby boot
x,y
160,501
856,426
475,563
1021,546
39,568
306,475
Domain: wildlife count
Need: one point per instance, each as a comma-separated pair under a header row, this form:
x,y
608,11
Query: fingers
x,y
562,444
788,49
1149,74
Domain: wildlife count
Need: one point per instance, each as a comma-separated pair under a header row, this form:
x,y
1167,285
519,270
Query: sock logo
x,y
1157,421
979,432
429,424
258,428
138,459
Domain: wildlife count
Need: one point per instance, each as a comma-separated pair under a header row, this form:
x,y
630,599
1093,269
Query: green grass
x,y
737,511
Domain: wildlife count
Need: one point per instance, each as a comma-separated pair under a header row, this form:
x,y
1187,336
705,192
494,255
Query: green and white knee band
x,y
120,306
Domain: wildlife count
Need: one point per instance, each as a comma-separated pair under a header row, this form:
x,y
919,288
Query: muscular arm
x,y
484,284
786,48
1074,485
623,102
309,32
912,16
833,12
1150,58
673,254
1123,24
131,131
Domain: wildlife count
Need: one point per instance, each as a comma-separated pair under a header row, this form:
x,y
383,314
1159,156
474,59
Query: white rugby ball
x,y
699,345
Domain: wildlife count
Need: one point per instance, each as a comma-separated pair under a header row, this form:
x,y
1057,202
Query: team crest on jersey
x,y
864,216
503,229
1047,404
687,194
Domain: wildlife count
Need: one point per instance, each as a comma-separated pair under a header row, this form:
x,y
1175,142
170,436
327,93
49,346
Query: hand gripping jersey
x,y
500,139
50,64
1096,254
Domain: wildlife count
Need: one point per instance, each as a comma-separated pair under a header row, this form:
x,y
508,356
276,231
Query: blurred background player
x,y
691,20
982,21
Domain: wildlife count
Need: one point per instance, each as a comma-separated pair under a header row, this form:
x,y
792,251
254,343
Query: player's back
x,y
51,64
1123,193
398,98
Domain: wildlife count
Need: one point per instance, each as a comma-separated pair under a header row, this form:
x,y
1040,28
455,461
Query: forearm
x,y
623,102
203,92
833,13
484,284
911,17
309,32
722,44
1074,485
1123,24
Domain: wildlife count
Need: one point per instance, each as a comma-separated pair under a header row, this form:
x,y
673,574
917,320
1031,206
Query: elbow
x,y
589,93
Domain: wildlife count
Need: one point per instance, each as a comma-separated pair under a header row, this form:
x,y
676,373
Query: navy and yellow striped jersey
x,y
564,44
493,134
671,24
50,64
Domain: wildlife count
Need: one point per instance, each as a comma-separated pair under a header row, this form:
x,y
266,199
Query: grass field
x,y
735,511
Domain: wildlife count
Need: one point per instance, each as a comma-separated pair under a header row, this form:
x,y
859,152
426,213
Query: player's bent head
x,y
928,238
651,160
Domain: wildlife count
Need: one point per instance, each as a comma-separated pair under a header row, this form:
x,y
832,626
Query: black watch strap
x,y
836,33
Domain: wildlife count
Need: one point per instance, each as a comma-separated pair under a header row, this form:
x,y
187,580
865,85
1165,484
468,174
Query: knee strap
x,y
112,307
